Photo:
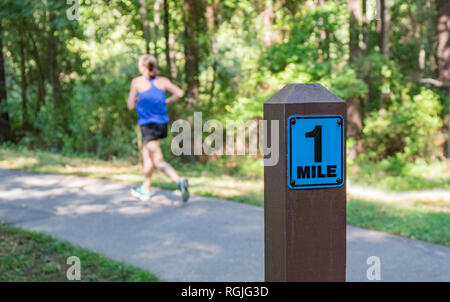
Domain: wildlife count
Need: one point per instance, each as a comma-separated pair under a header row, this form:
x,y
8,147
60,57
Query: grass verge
x,y
416,220
204,179
30,256
393,174
428,221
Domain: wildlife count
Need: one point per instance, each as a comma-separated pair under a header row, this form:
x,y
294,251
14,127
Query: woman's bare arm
x,y
174,90
132,97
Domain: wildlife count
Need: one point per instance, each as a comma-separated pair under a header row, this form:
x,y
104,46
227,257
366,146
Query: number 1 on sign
x,y
316,133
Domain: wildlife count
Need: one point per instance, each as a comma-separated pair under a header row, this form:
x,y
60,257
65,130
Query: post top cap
x,y
304,93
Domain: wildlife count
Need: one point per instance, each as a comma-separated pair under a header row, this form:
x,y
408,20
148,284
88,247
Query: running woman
x,y
148,96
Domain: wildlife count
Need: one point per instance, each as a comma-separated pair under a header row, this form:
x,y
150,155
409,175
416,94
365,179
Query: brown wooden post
x,y
305,228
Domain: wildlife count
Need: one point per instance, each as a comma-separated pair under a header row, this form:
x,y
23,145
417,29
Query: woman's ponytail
x,y
151,63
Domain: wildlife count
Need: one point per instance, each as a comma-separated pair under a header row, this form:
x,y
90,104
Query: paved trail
x,y
206,239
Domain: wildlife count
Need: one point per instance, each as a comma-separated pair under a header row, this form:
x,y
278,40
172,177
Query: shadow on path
x,y
206,239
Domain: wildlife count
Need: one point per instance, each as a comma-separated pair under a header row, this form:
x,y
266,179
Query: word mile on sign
x,y
315,151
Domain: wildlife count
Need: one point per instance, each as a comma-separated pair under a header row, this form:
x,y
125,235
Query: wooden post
x,y
305,192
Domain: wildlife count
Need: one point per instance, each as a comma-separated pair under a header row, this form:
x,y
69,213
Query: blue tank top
x,y
151,106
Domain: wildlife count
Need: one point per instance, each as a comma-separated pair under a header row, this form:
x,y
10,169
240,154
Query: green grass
x,y
30,256
215,178
393,174
416,221
229,180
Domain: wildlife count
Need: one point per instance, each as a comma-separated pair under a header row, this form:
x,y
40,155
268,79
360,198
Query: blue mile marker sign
x,y
315,151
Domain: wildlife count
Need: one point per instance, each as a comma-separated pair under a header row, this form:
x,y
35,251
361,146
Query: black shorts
x,y
153,131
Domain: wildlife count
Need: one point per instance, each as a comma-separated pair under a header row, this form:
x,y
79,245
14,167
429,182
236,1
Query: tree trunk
x,y
267,18
380,27
23,82
384,28
384,38
166,37
193,12
145,24
365,29
5,127
354,124
443,52
443,49
354,8
157,21
173,56
354,104
429,32
41,78
365,104
386,9
211,13
53,66
324,42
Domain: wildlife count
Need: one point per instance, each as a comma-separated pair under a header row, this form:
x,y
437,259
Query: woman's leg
x,y
154,148
148,168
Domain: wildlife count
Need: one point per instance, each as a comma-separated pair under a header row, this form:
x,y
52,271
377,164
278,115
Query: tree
x,y
167,38
354,8
212,27
267,19
365,28
443,51
384,27
23,76
53,62
443,48
5,127
193,14
156,22
41,73
145,24
354,104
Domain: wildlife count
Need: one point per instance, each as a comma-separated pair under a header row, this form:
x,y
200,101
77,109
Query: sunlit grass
x,y
426,219
416,220
206,183
395,175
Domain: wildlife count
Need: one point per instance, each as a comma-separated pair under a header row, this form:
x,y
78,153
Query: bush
x,y
99,122
407,129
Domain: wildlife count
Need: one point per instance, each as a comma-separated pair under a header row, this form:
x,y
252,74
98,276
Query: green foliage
x,y
346,84
306,38
422,17
385,81
407,129
296,59
82,109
